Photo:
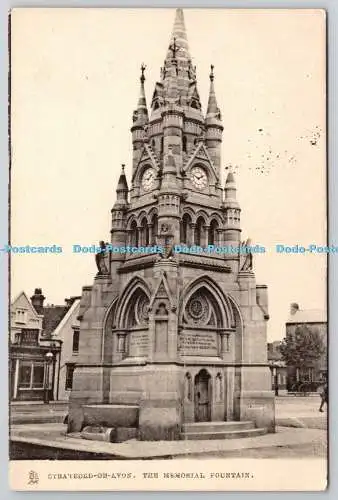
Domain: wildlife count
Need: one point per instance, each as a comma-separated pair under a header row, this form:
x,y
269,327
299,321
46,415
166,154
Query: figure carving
x,y
100,259
245,256
165,228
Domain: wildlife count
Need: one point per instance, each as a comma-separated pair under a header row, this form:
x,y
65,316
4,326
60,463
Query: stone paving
x,y
300,432
53,435
300,412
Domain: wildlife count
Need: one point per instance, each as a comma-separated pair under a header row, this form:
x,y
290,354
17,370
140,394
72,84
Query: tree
x,y
302,349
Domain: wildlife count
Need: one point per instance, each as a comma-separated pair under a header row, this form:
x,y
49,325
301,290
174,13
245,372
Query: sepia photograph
x,y
168,249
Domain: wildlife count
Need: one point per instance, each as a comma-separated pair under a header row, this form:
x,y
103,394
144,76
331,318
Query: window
x,y
76,340
184,144
144,232
21,316
69,377
213,233
154,229
38,375
29,337
31,375
185,229
134,234
199,231
25,373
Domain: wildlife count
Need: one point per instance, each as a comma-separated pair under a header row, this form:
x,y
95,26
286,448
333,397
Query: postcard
x,y
168,250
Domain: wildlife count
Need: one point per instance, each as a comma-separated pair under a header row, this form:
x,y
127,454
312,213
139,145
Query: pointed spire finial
x,y
143,68
122,168
212,76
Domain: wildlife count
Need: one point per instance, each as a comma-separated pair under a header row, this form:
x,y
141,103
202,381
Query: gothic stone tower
x,y
181,337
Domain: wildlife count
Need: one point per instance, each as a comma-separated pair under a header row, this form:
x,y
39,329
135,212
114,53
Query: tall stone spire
x,y
140,117
140,121
122,188
178,71
179,39
214,127
213,112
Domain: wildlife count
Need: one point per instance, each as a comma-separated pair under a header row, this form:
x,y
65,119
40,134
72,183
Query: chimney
x,y
294,308
69,302
37,300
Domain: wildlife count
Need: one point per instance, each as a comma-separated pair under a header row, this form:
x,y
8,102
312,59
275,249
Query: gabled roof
x,y
52,315
74,309
28,303
308,316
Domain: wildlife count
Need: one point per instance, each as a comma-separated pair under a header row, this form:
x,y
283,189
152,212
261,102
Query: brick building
x,y
39,349
314,320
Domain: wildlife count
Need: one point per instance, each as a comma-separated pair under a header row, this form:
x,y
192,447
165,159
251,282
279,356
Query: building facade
x,y
314,320
68,331
179,334
43,347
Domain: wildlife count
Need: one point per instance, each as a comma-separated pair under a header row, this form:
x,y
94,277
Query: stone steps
x,y
217,426
220,430
45,418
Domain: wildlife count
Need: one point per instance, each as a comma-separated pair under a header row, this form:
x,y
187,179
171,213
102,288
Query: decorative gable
x,y
162,292
200,153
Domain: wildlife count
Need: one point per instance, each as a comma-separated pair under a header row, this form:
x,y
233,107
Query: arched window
x,y
162,144
184,144
194,104
154,229
144,232
188,387
213,234
156,105
153,143
219,387
136,313
199,231
185,229
134,234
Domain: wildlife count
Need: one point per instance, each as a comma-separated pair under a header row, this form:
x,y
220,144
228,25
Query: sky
x,y
75,83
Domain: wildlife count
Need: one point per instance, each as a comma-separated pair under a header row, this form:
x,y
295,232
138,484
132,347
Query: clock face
x,y
148,179
199,177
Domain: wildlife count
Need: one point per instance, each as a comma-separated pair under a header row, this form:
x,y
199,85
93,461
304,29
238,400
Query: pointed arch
x,y
190,211
141,215
185,236
153,220
134,236
224,303
199,231
213,232
202,213
135,288
144,232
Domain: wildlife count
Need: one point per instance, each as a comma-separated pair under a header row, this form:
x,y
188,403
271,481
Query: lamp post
x,y
48,359
274,370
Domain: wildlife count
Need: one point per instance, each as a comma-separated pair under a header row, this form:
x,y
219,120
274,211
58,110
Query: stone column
x,y
205,237
192,234
16,378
